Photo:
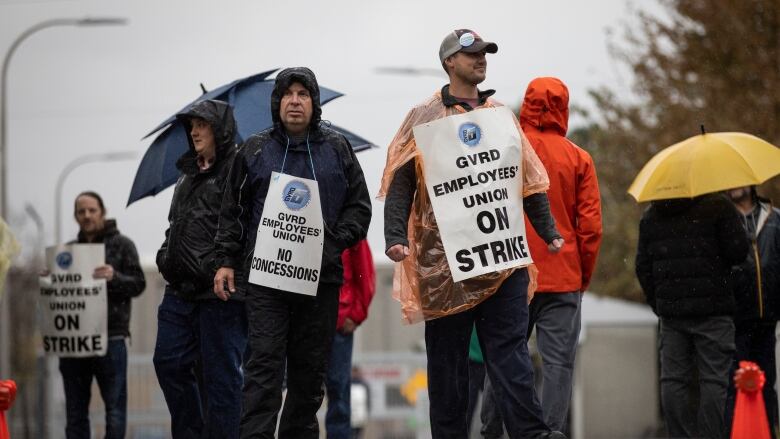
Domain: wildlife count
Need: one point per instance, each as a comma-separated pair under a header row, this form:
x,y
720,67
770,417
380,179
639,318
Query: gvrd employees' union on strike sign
x,y
474,179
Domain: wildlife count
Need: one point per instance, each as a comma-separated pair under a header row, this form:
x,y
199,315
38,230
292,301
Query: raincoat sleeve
x,y
644,266
129,280
230,237
355,215
588,225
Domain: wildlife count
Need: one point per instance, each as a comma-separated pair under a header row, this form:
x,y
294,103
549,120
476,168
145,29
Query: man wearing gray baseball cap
x,y
496,303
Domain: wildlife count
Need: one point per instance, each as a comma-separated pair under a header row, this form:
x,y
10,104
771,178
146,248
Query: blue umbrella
x,y
251,101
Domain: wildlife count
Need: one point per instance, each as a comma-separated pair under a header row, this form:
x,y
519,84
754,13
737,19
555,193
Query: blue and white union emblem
x,y
470,134
296,195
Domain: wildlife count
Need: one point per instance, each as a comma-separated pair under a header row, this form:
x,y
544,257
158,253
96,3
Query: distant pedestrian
x,y
685,252
125,280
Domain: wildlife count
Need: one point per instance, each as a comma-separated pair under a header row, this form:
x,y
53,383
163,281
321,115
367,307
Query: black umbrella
x,y
251,101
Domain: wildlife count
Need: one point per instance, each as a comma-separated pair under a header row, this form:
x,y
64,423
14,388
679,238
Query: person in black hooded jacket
x,y
124,281
684,257
198,334
284,326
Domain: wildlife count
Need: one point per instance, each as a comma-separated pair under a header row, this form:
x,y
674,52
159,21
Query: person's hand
x,y
397,252
44,273
531,297
556,245
224,275
348,327
104,272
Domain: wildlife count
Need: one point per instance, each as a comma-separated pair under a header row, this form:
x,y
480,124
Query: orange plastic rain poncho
x,y
423,282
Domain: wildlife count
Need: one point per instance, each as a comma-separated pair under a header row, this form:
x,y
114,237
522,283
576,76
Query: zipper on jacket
x,y
758,279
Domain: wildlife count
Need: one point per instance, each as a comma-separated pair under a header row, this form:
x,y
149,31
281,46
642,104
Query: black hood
x,y
284,80
219,115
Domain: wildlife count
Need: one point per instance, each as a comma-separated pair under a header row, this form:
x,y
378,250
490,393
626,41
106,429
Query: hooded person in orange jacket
x,y
576,206
564,276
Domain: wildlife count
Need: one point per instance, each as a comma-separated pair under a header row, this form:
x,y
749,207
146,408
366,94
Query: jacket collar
x,y
449,101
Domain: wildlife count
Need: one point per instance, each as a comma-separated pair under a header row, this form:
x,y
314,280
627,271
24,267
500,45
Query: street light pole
x,y
98,21
78,161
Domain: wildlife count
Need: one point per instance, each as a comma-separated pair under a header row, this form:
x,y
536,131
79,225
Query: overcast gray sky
x,y
76,91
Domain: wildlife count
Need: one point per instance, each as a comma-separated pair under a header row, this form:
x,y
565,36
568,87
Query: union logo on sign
x,y
296,195
470,134
64,260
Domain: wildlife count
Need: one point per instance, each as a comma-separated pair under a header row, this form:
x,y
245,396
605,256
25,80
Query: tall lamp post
x,y
87,21
78,161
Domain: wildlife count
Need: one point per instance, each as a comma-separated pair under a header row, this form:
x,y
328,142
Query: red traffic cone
x,y
7,396
750,420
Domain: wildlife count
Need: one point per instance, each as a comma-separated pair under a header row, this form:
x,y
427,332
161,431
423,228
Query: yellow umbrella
x,y
709,162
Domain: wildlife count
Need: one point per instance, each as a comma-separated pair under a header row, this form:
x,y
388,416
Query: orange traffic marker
x,y
750,421
7,396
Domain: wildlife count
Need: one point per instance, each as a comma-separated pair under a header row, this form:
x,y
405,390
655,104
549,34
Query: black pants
x,y
501,322
755,341
298,329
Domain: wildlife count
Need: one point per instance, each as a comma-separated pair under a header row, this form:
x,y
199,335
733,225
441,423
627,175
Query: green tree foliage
x,y
710,62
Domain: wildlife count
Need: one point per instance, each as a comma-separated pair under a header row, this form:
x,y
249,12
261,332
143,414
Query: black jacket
x,y
128,281
187,259
346,203
754,302
685,253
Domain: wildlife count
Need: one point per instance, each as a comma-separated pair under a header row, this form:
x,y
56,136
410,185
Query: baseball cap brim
x,y
479,46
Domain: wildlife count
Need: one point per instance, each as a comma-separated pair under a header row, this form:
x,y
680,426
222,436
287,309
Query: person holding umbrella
x,y
200,340
757,293
296,199
684,256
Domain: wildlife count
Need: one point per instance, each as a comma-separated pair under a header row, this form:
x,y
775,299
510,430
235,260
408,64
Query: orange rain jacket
x,y
573,193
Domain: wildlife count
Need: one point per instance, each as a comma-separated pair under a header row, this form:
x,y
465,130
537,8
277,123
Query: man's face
x,y
739,194
89,215
470,68
296,108
202,136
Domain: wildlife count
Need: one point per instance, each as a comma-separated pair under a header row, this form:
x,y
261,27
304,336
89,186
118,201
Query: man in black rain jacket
x,y
124,280
284,326
197,333
685,253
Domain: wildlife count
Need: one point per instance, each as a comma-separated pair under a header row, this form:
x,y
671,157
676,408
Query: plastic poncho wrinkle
x,y
422,282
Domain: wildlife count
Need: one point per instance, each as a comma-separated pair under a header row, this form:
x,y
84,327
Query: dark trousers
x,y
501,322
338,384
476,378
297,328
755,342
200,345
111,374
708,345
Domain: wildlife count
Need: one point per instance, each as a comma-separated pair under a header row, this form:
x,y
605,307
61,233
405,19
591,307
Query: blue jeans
x,y
501,322
338,383
111,374
200,346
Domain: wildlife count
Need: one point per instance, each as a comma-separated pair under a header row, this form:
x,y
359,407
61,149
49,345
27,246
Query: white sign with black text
x,y
74,305
473,174
290,237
